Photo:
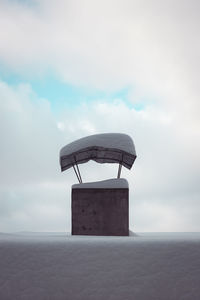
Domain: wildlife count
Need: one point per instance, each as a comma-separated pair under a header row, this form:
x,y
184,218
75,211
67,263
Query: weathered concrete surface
x,y
100,212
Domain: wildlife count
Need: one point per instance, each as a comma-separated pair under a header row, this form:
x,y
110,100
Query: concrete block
x,y
100,211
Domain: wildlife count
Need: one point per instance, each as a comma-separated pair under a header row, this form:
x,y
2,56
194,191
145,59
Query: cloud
x,y
152,46
149,47
164,188
33,194
27,132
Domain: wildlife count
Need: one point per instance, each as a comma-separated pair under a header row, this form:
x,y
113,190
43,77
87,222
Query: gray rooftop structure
x,y
102,148
100,208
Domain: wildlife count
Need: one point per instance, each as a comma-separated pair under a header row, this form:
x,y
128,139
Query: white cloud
x,y
151,47
164,188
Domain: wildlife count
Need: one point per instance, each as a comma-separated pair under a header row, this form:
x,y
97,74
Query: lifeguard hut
x,y
100,208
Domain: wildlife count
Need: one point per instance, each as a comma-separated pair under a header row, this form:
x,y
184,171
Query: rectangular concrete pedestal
x,y
103,211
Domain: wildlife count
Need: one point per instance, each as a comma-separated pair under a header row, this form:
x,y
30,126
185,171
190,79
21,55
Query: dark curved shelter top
x,y
102,148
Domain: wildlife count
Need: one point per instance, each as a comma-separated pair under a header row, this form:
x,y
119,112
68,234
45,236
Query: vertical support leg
x,y
77,174
119,170
76,170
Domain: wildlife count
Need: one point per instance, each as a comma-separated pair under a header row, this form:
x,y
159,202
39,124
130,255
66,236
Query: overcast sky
x,y
69,69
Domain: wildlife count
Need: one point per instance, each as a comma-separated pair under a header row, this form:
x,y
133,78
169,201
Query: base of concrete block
x,y
100,211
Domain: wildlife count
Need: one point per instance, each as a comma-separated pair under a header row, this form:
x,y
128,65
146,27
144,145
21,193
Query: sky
x,y
69,69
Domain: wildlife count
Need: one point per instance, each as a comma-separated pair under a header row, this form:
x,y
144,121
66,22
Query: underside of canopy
x,y
102,148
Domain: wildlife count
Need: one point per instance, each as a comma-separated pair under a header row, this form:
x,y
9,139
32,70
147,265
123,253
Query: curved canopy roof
x,y
102,148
